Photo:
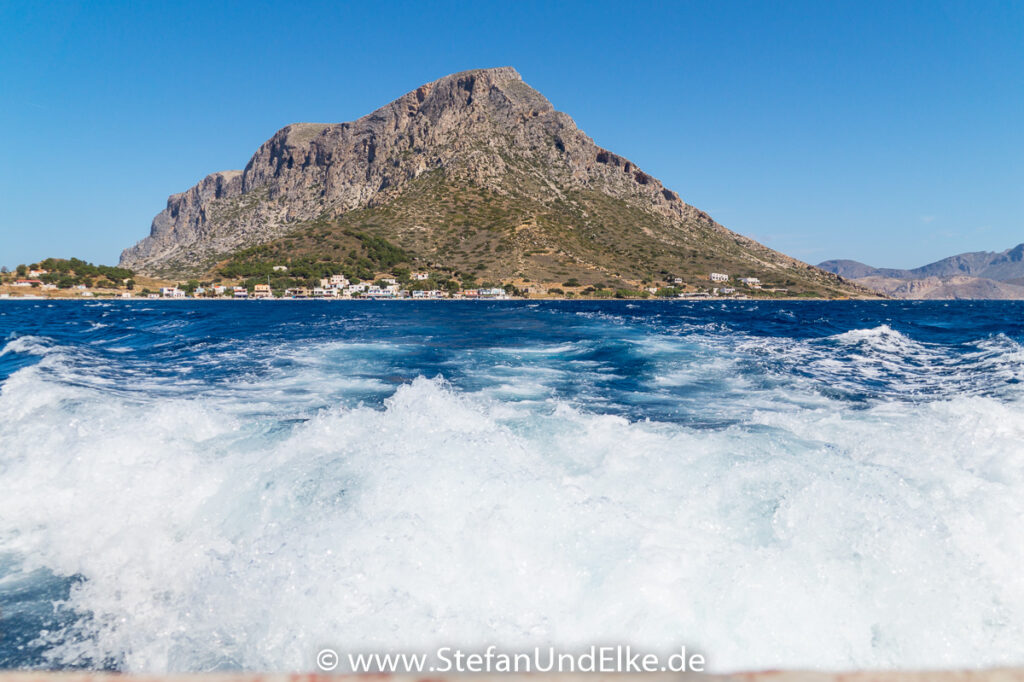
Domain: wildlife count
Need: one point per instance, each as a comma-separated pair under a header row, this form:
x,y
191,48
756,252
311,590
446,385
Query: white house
x,y
383,292
171,292
718,277
280,268
240,292
752,282
419,276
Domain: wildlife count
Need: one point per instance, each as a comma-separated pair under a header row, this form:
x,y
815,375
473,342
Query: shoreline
x,y
108,299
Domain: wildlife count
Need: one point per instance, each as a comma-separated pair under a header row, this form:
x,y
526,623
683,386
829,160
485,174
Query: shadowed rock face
x,y
485,128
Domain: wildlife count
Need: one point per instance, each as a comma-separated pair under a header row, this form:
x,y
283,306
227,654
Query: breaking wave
x,y
848,499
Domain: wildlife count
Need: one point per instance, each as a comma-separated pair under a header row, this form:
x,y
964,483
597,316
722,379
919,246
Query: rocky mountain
x,y
476,171
944,288
980,274
1001,266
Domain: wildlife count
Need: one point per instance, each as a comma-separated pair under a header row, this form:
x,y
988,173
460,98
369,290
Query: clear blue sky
x,y
887,132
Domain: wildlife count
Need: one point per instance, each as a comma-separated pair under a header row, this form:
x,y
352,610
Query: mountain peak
x,y
500,91
489,177
494,74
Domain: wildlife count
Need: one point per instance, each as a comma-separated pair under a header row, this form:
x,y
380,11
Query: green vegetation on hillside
x,y
582,238
324,252
65,273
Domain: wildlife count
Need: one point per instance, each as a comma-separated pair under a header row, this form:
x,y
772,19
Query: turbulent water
x,y
205,486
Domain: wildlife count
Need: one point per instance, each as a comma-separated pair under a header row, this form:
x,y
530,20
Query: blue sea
x,y
197,486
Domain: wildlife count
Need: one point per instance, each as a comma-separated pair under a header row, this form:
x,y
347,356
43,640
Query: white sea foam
x,y
27,345
210,536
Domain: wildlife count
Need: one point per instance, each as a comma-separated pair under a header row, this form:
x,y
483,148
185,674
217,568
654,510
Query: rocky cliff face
x,y
485,129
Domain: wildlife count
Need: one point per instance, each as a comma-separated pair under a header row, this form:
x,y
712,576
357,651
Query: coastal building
x,y
239,292
152,295
718,277
390,291
419,276
38,273
428,293
356,289
679,280
333,282
125,294
219,290
728,290
171,292
752,282
262,291
27,282
493,293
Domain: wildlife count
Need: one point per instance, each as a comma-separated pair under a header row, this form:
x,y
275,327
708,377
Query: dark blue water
x,y
217,343
223,485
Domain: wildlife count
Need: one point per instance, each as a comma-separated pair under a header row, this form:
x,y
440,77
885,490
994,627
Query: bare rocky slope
x,y
976,275
475,171
944,288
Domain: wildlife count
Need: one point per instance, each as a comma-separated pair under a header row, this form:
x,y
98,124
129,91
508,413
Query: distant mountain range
x,y
475,172
981,274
